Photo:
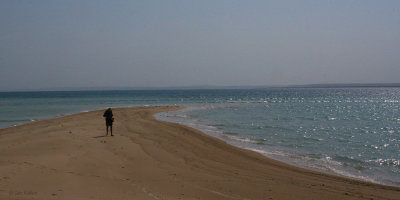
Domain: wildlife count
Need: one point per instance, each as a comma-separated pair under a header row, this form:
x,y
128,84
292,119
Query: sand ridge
x,y
69,158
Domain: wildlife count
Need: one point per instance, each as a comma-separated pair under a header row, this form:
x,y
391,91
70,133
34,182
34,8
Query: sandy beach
x,y
70,158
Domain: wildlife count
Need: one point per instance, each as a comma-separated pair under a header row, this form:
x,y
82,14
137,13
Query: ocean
x,y
353,132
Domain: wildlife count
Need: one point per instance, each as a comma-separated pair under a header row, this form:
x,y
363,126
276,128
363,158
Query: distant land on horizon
x,y
205,87
347,85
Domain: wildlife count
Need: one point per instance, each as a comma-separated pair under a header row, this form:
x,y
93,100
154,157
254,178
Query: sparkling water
x,y
353,132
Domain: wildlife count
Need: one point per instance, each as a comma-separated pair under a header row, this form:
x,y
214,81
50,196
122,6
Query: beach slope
x,y
69,158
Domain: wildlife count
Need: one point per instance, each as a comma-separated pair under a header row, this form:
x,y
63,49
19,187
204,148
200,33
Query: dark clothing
x,y
109,122
109,117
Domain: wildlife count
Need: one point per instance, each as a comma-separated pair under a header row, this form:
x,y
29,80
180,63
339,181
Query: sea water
x,y
353,132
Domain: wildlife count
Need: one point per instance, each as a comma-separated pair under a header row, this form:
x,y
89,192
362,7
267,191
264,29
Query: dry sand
x,y
68,158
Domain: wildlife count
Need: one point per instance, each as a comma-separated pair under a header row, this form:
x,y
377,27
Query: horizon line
x,y
205,87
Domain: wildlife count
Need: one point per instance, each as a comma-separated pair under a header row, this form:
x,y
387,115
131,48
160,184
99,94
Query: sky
x,y
56,44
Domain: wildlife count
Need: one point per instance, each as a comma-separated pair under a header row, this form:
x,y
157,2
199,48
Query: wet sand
x,y
69,158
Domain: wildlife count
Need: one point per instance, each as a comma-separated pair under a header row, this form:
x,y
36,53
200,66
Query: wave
x,y
235,137
314,162
391,162
230,133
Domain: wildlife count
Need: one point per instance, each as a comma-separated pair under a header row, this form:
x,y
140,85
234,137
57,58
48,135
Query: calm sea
x,y
353,132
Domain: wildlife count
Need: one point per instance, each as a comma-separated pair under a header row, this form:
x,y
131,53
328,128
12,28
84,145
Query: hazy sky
x,y
46,44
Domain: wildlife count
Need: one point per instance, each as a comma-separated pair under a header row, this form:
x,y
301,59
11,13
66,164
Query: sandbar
x,y
70,158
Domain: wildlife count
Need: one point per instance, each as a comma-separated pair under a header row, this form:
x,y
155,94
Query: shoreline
x,y
156,159
280,156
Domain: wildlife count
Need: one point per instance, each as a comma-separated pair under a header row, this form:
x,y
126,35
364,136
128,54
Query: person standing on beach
x,y
109,120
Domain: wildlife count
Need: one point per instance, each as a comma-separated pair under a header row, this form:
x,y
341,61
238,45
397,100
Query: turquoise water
x,y
352,132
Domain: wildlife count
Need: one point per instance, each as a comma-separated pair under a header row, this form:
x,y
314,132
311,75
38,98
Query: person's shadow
x,y
100,136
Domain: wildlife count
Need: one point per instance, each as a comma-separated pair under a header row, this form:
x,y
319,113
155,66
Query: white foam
x,y
326,164
270,153
241,139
